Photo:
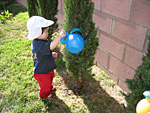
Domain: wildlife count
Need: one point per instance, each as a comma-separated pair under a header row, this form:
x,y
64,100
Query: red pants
x,y
45,83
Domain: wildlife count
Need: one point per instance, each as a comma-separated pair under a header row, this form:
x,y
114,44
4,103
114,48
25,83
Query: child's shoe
x,y
49,96
54,88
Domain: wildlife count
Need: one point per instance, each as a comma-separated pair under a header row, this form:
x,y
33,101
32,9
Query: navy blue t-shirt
x,y
42,57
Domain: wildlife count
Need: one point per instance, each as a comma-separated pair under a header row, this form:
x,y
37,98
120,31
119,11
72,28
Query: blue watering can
x,y
74,42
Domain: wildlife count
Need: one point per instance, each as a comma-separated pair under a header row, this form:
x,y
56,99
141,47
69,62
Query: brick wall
x,y
122,28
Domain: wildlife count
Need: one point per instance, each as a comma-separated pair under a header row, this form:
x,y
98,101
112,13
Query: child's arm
x,y
55,42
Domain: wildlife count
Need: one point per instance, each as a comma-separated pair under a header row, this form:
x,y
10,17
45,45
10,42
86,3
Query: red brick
x,y
120,83
124,86
97,4
61,16
112,45
101,57
102,21
133,57
120,69
113,77
118,8
141,13
129,33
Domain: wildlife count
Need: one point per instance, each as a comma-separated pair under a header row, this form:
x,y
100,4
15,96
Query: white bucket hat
x,y
35,24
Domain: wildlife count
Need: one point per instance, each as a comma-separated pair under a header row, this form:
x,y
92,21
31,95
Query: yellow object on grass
x,y
144,105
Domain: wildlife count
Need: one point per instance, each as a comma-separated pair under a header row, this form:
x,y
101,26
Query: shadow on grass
x,y
55,105
93,95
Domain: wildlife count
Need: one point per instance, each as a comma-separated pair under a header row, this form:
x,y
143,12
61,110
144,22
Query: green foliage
x,y
32,7
15,9
60,64
46,9
5,3
8,15
78,14
4,13
3,20
139,84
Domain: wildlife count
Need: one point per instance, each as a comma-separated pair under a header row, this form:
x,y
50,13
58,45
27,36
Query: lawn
x,y
19,90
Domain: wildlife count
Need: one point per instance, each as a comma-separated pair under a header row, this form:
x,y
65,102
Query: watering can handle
x,y
76,29
63,41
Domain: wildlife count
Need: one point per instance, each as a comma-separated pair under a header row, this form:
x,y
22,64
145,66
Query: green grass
x,y
19,90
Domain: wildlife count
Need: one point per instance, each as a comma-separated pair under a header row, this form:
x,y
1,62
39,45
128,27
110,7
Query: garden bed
x,y
19,90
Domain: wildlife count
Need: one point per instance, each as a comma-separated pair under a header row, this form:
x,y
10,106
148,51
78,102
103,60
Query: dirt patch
x,y
99,94
95,96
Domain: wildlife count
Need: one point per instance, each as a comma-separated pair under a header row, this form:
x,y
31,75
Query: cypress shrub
x,y
139,84
32,7
78,14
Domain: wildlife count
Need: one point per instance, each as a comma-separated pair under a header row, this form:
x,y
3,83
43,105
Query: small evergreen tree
x,y
46,9
32,7
78,14
139,84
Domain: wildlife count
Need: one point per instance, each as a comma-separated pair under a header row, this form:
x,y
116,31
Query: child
x,y
44,63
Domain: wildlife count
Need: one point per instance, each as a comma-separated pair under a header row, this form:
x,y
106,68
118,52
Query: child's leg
x,y
52,76
44,81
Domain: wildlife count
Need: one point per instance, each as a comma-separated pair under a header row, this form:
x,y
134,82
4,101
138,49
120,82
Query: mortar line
x,y
101,6
112,26
109,72
132,2
123,20
116,58
108,60
144,46
123,42
124,53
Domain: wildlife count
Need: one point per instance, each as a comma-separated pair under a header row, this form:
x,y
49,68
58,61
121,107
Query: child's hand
x,y
54,54
55,42
62,33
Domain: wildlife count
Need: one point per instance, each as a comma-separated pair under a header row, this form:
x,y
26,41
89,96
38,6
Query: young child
x,y
44,63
